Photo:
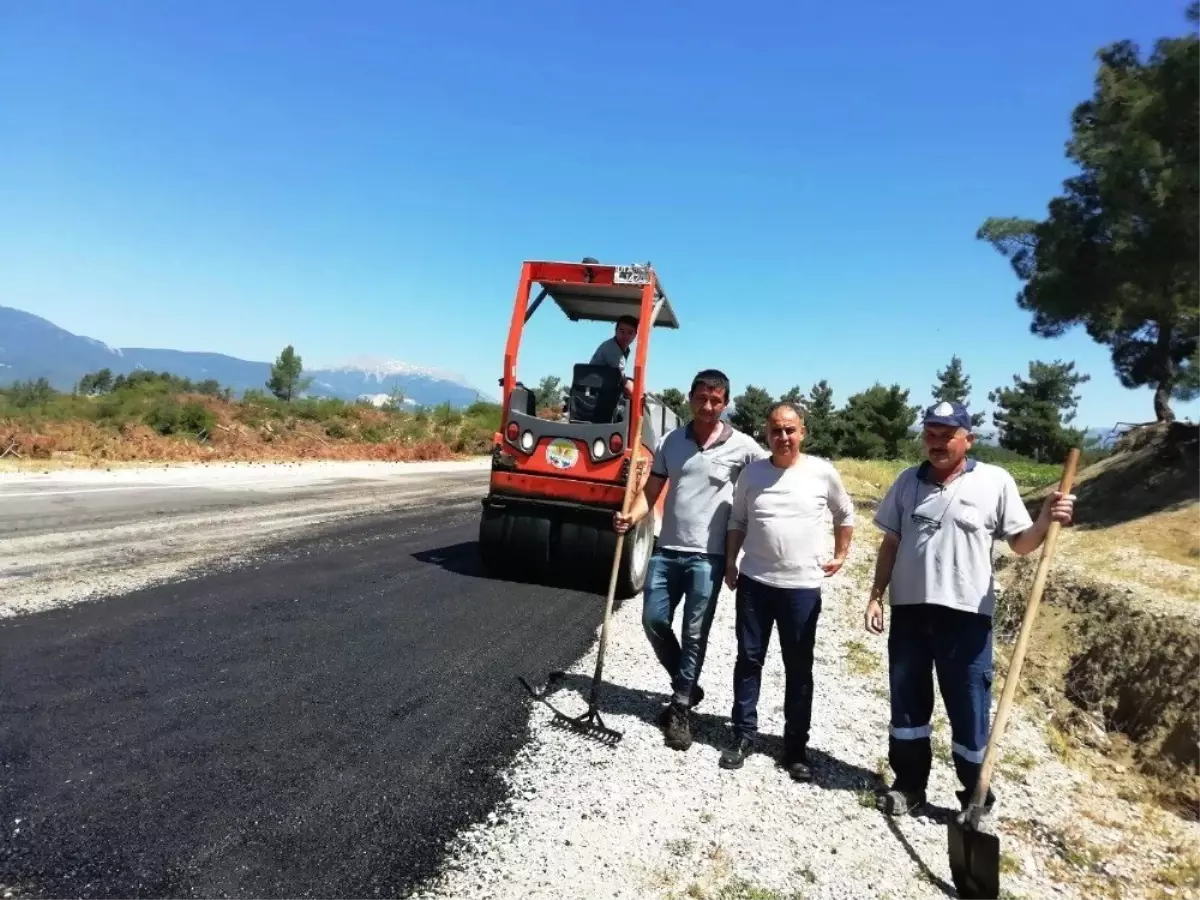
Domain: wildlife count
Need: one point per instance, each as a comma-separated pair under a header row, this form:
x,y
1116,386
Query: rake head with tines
x,y
589,724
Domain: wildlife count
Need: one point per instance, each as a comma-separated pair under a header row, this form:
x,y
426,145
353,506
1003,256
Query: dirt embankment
x,y
197,427
1115,678
1115,655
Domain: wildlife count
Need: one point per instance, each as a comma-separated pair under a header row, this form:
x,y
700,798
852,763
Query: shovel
x,y
589,723
974,855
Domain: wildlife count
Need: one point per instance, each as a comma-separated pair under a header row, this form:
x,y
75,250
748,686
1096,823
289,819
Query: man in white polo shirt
x,y
940,520
778,523
702,460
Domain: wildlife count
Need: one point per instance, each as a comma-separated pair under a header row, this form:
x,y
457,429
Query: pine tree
x,y
1032,415
285,381
676,401
1116,254
821,422
953,386
876,422
794,396
750,412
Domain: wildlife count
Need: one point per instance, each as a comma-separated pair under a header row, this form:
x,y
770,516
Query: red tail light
x,y
615,443
512,431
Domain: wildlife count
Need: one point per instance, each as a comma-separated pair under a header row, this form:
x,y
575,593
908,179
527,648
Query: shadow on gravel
x,y
710,729
926,872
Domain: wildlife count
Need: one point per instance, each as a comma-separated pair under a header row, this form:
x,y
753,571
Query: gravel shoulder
x,y
643,821
74,536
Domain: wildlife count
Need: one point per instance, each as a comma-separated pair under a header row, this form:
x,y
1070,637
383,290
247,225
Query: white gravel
x,y
259,475
154,534
641,820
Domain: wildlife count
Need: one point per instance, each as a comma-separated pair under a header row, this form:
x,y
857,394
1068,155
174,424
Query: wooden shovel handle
x,y
1018,657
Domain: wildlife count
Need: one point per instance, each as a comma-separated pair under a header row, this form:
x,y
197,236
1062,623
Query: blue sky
x,y
366,178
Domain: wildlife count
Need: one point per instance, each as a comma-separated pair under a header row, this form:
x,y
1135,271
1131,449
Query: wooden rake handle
x,y
631,487
1018,657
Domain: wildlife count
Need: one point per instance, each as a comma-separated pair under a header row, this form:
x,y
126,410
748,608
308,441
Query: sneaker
x,y
795,762
895,802
678,728
733,756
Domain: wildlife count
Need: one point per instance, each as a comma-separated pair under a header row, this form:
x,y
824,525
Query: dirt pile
x,y
1152,469
210,428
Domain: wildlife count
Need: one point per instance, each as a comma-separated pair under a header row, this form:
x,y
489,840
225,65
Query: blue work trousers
x,y
956,645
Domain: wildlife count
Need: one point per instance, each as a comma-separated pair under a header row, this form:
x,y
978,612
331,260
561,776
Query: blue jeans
x,y
957,645
694,578
796,611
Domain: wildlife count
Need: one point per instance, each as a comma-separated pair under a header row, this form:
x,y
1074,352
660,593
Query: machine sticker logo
x,y
562,453
634,274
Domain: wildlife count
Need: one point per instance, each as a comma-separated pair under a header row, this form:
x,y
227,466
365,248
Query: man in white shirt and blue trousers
x,y
778,521
940,520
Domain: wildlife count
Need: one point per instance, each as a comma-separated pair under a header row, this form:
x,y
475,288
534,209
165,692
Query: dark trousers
x,y
957,646
795,610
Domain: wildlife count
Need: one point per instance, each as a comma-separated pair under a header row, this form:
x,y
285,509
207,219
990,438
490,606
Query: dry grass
x,y
1183,872
868,480
1159,552
1138,557
860,660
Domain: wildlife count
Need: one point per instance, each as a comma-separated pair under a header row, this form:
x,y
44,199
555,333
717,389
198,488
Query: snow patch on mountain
x,y
115,351
380,369
382,399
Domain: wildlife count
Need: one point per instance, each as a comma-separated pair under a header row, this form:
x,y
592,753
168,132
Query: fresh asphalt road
x,y
317,721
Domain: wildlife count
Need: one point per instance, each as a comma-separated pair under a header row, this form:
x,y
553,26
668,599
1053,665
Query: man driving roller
x,y
615,351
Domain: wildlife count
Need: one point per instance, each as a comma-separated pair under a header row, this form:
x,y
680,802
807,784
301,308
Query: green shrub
x,y
373,433
196,418
164,416
168,416
318,409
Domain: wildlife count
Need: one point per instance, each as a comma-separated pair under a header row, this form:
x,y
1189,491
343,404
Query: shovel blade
x,y
974,862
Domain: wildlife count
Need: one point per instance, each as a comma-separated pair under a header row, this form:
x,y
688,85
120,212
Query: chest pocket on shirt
x,y
968,518
721,473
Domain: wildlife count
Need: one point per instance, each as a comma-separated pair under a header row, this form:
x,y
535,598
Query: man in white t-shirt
x,y
778,520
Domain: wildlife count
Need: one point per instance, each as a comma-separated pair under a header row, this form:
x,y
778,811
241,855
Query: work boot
x,y
697,696
895,802
733,756
795,761
678,729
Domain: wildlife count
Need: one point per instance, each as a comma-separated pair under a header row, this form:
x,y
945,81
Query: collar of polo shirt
x,y
923,469
723,432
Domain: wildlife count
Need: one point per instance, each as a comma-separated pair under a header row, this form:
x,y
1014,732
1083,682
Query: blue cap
x,y
948,412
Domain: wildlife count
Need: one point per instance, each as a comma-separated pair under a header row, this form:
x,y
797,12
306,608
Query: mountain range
x,y
32,347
